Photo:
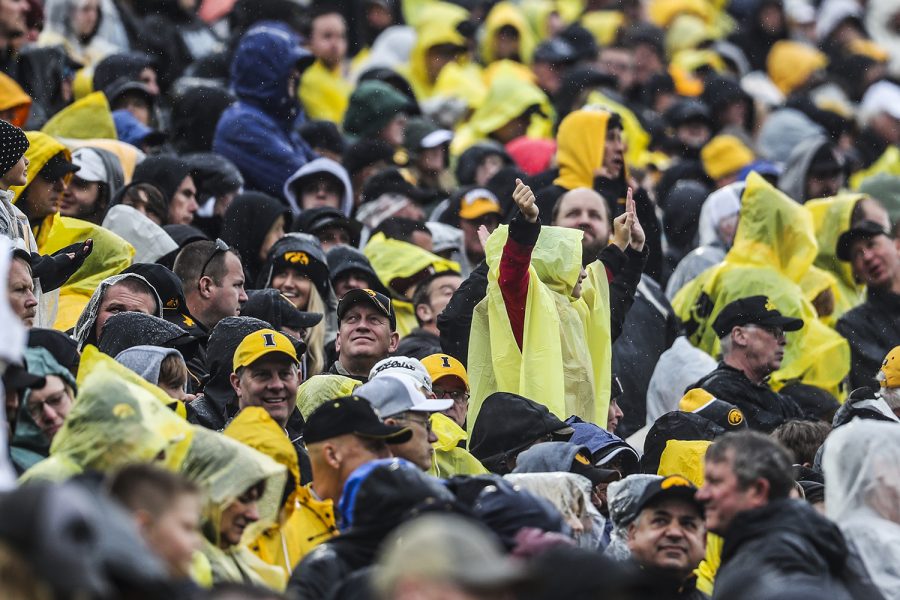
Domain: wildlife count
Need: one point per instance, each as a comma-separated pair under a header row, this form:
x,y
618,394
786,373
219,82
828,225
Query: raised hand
x,y
483,235
622,227
637,232
526,202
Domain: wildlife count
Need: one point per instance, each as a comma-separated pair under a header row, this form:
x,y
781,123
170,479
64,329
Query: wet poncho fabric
x,y
84,329
565,359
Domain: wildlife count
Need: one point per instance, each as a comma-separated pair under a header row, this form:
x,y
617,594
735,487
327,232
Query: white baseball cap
x,y
392,394
404,365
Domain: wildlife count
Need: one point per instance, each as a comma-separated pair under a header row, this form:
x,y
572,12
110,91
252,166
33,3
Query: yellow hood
x,y
773,231
319,389
41,149
394,259
89,117
603,24
503,14
831,217
14,98
790,64
663,12
685,458
437,27
581,140
635,135
254,427
507,98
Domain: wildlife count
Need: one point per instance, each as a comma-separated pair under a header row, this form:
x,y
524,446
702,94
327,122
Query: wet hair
x,y
802,438
755,456
189,263
173,372
148,488
401,228
147,195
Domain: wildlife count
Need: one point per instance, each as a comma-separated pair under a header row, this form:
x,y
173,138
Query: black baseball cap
x,y
17,377
381,302
724,414
350,414
391,181
753,310
315,219
859,231
57,167
673,486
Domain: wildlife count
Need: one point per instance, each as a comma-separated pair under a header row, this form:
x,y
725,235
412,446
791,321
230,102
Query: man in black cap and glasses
x,y
213,281
752,337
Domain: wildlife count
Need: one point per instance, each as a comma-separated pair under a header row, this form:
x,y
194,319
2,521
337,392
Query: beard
x,y
591,249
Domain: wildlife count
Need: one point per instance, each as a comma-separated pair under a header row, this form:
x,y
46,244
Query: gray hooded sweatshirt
x,y
320,165
793,181
84,329
146,361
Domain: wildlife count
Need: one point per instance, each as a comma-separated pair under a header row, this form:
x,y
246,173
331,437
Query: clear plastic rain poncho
x,y
225,469
622,497
862,470
571,495
117,419
319,389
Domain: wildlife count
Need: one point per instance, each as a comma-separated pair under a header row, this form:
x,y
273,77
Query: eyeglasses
x,y
426,423
36,409
458,396
776,332
220,247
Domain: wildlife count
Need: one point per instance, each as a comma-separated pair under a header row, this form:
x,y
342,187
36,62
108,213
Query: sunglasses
x,y
220,247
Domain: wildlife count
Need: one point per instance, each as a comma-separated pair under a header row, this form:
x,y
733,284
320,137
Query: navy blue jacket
x,y
258,132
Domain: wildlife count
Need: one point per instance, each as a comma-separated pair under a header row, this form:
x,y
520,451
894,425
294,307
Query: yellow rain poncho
x,y
282,544
325,93
13,98
831,217
888,163
581,141
89,117
507,98
436,27
773,249
319,389
41,149
111,255
394,261
790,64
603,24
225,469
117,419
507,14
449,458
564,363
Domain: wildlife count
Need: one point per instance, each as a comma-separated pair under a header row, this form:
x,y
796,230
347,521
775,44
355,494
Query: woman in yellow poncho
x,y
243,490
543,330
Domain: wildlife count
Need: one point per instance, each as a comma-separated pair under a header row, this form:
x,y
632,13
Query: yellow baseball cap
x,y
444,365
477,203
890,367
260,343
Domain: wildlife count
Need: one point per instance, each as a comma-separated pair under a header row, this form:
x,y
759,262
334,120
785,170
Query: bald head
x,y
584,209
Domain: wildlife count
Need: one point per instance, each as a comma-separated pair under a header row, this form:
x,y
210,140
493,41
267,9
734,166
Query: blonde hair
x,y
315,336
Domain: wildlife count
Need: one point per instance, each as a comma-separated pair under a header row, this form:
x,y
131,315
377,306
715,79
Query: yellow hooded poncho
x,y
89,117
507,98
41,149
13,98
325,93
284,543
436,27
773,249
396,260
581,141
831,217
449,458
790,64
564,363
319,389
507,14
634,133
116,419
888,163
225,469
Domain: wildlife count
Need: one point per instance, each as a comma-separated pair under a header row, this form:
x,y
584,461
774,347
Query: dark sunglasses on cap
x,y
222,247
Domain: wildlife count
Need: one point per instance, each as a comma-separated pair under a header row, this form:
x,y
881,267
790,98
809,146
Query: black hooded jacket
x,y
165,172
787,542
129,329
195,114
247,222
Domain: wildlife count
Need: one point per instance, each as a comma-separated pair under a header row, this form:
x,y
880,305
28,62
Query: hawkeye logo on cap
x,y
735,417
675,481
172,303
297,258
123,411
579,458
770,305
369,292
